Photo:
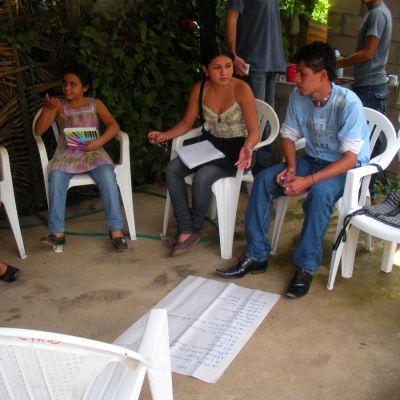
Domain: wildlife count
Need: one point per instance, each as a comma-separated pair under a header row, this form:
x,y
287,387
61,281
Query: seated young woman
x,y
230,116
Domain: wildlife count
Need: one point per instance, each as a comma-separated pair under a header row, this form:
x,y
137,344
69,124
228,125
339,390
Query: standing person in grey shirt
x,y
253,34
369,60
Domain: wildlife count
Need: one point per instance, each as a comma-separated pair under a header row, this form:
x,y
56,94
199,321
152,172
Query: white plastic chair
x,y
226,190
8,199
354,197
122,171
39,365
375,126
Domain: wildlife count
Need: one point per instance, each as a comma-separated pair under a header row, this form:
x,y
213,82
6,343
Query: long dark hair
x,y
214,50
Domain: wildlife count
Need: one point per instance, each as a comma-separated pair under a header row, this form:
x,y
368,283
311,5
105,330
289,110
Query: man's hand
x,y
298,185
240,66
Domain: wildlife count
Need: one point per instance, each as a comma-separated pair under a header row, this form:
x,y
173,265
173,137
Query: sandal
x,y
10,275
119,243
53,240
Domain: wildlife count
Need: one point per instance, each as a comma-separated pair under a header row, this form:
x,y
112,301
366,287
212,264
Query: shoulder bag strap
x,y
201,113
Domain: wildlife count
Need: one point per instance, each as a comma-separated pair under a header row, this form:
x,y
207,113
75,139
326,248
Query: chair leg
x,y
281,208
126,195
226,192
167,214
9,205
155,348
349,252
387,258
335,260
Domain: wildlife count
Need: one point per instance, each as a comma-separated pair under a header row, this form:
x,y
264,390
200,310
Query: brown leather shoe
x,y
183,247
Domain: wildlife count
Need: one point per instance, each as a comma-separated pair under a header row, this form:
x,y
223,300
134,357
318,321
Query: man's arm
x,y
300,184
365,54
230,33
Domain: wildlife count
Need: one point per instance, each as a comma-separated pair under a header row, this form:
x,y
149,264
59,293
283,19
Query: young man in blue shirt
x,y
331,119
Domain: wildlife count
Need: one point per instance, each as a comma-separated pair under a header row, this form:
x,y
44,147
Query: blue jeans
x,y
318,207
263,85
374,97
106,181
191,221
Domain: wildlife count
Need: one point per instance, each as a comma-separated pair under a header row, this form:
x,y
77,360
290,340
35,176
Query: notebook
x,y
77,138
199,153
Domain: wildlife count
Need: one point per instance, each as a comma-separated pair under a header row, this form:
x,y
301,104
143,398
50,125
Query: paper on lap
x,y
209,323
199,153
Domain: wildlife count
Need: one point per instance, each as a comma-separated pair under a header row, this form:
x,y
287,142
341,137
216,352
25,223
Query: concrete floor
x,y
343,344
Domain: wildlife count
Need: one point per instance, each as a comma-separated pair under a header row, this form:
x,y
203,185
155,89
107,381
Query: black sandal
x,y
119,243
10,275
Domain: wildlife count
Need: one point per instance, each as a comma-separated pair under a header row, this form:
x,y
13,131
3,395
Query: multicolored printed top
x,y
77,161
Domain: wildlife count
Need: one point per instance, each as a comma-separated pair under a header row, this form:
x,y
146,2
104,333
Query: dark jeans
x,y
190,221
374,97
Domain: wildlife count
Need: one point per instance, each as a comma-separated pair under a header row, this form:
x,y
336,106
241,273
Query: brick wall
x,y
345,17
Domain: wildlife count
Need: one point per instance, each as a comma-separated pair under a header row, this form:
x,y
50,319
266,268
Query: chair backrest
x,y
41,365
44,159
378,125
265,113
5,171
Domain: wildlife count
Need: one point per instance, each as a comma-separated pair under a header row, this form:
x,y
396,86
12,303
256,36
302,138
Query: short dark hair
x,y
318,56
214,50
81,72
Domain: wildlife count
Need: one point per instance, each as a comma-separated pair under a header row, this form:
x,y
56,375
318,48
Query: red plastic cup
x,y
291,72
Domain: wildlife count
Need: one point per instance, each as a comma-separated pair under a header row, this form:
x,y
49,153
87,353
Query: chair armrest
x,y
178,141
356,187
124,156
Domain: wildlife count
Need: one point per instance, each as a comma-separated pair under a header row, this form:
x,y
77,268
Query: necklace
x,y
321,103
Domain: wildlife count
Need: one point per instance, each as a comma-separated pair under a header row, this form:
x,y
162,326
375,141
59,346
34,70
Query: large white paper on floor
x,y
209,322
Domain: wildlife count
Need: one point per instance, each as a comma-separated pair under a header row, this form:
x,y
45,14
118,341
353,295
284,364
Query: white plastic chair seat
x,y
37,365
380,229
226,190
354,197
7,198
122,171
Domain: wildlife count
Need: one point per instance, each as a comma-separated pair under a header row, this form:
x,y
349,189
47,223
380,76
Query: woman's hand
x,y
157,137
245,157
51,103
92,146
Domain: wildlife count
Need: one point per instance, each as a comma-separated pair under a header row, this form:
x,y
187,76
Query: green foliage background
x,y
143,62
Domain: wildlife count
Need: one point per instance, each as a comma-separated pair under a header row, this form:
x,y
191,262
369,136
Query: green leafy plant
x,y
144,61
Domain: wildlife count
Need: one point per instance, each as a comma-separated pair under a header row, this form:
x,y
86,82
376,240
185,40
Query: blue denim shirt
x,y
338,126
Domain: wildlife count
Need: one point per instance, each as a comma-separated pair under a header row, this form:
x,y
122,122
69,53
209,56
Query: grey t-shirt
x,y
259,36
377,22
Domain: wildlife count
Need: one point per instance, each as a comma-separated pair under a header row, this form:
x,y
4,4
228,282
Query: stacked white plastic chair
x,y
122,171
8,199
373,118
36,365
354,197
226,190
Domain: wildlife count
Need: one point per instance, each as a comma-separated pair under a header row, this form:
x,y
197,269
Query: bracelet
x,y
246,146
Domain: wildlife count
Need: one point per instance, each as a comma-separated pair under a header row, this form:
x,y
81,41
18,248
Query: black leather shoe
x,y
243,266
300,284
